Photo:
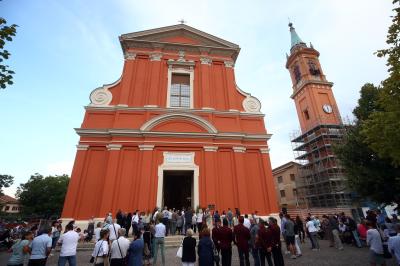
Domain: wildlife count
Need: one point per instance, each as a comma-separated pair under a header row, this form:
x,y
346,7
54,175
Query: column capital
x,y
230,64
210,148
82,147
130,56
114,147
264,150
205,60
146,147
155,56
239,149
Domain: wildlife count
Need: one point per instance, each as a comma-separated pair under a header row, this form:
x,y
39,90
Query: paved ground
x,y
326,256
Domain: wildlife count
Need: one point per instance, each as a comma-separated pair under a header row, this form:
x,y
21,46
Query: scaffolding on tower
x,y
321,181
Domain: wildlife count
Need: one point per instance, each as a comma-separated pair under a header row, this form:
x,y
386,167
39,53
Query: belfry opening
x,y
178,189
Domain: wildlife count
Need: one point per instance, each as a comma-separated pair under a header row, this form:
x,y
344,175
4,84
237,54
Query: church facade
x,y
175,130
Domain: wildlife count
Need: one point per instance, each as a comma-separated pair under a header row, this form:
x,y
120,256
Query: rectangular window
x,y
279,179
292,177
180,90
283,193
294,192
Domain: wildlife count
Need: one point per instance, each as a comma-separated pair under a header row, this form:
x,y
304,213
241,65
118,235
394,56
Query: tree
x,y
368,174
382,129
5,181
43,196
6,34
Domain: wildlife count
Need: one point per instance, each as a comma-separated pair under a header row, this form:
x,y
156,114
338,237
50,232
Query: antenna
x,y
182,21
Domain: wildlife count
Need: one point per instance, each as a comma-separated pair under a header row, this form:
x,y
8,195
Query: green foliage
x,y
368,174
43,196
5,181
6,34
382,129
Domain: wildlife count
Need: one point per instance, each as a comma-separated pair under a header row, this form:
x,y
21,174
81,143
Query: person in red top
x,y
225,238
264,243
242,237
275,233
362,231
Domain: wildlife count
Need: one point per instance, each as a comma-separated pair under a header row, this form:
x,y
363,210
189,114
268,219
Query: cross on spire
x,y
182,21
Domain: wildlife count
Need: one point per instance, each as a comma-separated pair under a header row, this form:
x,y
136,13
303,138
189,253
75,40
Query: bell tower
x,y
312,92
322,180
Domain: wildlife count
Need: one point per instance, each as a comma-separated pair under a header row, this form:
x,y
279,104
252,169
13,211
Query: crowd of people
x,y
218,233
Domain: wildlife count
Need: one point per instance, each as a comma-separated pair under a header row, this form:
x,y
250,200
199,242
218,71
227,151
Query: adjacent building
x,y
9,204
322,180
174,130
285,177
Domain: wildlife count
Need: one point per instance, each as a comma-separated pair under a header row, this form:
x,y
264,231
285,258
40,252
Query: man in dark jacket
x,y
276,250
188,218
225,238
242,237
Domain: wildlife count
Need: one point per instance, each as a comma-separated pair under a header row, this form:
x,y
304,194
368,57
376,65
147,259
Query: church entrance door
x,y
178,189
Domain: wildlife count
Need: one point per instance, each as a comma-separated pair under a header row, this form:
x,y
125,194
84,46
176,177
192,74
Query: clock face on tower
x,y
327,108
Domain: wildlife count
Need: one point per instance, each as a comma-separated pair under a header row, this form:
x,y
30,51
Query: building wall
x,y
11,208
287,184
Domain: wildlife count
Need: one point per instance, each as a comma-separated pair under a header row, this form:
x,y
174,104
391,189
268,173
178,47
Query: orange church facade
x,y
174,130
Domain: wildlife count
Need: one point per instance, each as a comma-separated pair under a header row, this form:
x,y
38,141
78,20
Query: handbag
x,y
180,250
215,254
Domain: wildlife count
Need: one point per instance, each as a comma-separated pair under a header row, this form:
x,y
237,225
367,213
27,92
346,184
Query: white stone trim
x,y
229,64
205,60
191,166
251,104
146,147
114,147
239,149
130,55
190,71
182,116
155,56
151,106
102,96
122,105
264,150
82,147
210,148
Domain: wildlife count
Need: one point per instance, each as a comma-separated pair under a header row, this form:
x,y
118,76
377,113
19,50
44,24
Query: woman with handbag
x,y
100,252
205,249
189,249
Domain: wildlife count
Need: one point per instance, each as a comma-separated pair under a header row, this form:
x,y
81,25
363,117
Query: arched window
x,y
297,73
313,68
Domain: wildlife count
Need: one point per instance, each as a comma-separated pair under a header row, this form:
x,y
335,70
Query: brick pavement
x,y
325,257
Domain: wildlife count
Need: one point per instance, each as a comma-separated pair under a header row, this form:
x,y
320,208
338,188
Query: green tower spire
x,y
294,38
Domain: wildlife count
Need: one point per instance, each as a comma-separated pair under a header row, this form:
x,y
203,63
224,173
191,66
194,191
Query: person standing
x,y
300,227
229,216
101,248
113,228
90,228
135,222
55,234
179,222
69,242
334,226
128,223
148,240
199,220
160,232
119,249
275,235
246,221
174,221
41,247
242,237
20,250
97,231
254,242
394,243
225,238
205,249
374,241
290,236
215,237
312,233
264,243
188,218
135,251
189,249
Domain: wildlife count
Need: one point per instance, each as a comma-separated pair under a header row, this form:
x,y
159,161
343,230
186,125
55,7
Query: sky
x,y
65,49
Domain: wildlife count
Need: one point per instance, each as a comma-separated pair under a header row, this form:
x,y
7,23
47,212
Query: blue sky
x,y
65,49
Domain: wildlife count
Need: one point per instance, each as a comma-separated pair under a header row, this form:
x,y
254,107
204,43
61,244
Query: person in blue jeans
x,y
69,242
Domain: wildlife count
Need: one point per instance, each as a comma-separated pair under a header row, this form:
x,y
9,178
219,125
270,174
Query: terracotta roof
x,y
8,199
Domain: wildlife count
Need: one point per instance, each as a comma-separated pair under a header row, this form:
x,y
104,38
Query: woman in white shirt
x,y
199,220
100,252
312,233
97,231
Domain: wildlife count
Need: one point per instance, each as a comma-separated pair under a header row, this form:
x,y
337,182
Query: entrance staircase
x,y
170,242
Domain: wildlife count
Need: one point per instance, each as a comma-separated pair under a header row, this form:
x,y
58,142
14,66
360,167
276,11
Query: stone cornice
x,y
302,84
155,108
114,147
210,148
139,133
82,147
239,149
146,147
264,150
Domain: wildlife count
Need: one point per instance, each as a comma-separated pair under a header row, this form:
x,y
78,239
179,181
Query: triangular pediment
x,y
180,34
